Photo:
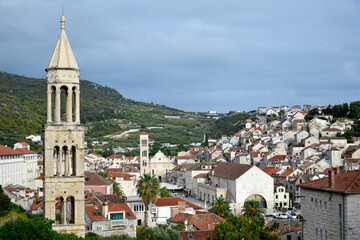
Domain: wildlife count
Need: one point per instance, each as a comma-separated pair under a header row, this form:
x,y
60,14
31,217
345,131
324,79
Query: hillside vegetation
x,y
104,111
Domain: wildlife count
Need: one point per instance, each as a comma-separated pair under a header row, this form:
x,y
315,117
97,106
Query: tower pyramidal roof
x,y
63,56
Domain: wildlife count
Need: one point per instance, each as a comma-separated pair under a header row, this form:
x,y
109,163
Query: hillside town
x,y
284,174
296,169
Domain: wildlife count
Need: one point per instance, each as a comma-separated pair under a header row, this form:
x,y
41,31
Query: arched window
x,y
70,209
73,161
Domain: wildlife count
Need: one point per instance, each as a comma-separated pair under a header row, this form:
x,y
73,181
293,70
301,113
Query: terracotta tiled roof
x,y
198,235
92,211
23,143
126,176
8,151
231,170
202,221
270,171
348,182
144,133
94,179
37,203
352,160
331,130
186,157
201,175
110,198
24,151
278,158
115,156
287,172
122,207
173,201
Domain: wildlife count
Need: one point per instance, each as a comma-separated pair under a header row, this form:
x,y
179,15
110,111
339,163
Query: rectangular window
x,y
340,232
116,216
320,234
316,205
285,196
325,206
276,196
325,234
340,212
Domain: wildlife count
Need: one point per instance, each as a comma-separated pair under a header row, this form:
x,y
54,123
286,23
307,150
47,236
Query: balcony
x,y
122,222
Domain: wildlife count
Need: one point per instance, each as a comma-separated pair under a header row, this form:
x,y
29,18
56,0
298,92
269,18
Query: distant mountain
x,y
104,111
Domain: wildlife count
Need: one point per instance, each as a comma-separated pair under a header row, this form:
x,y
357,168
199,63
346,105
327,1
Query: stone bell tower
x,y
144,154
64,142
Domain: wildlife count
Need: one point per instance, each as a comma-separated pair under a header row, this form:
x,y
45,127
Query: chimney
x,y
105,209
181,206
331,173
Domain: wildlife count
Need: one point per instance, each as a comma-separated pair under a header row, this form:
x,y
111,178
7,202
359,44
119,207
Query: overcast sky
x,y
196,55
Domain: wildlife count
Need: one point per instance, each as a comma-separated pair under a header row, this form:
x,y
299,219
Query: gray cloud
x,y
196,55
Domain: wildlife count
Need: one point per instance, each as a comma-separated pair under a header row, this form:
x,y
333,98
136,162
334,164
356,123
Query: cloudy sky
x,y
196,55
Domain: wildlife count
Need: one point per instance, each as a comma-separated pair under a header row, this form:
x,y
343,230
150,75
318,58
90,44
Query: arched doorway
x,y
256,197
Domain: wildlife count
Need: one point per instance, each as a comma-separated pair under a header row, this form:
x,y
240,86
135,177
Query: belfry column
x,y
64,211
69,105
49,110
57,105
77,106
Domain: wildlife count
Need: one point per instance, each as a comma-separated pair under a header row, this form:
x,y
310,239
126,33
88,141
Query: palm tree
x,y
117,188
251,210
221,208
164,192
148,189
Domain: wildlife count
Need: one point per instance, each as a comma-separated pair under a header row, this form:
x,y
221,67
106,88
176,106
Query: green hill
x,y
104,111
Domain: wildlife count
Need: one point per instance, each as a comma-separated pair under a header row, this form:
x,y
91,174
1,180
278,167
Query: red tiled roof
x,y
37,204
23,143
115,156
270,171
287,172
121,207
198,235
201,175
24,151
173,201
185,157
348,182
8,151
231,170
110,198
201,220
278,158
126,176
352,160
95,179
90,209
144,133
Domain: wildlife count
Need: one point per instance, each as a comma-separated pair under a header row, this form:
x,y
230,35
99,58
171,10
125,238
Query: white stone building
x,y
17,166
238,183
